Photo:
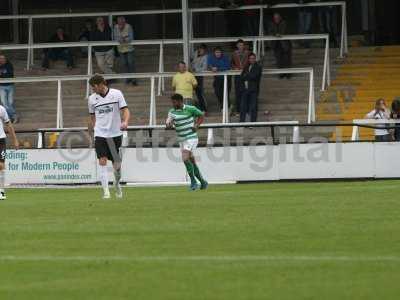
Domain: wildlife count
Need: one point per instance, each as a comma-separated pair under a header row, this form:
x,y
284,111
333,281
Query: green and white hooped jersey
x,y
184,121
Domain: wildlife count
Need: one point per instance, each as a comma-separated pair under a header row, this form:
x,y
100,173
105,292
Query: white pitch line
x,y
254,258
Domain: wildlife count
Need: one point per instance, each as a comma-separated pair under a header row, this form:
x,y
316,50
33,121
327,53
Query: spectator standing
x,y
251,18
218,62
84,36
123,33
240,60
7,90
380,113
199,65
58,53
395,114
282,48
250,77
104,54
327,17
184,83
305,20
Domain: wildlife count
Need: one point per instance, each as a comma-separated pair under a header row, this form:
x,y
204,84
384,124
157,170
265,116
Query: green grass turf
x,y
261,241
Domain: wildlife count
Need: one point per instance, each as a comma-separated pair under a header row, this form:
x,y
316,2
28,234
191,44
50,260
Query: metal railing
x,y
371,124
342,4
152,77
326,76
190,12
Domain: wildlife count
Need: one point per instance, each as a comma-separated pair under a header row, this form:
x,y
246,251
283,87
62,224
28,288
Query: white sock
x,y
104,178
117,175
2,180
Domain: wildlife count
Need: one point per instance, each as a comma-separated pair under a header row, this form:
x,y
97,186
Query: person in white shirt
x,y
5,120
106,106
380,113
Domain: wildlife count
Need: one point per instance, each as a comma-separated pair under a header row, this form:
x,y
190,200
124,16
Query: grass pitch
x,y
262,241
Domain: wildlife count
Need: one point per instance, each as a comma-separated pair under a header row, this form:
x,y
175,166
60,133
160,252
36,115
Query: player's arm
x,y
199,118
11,132
126,116
169,123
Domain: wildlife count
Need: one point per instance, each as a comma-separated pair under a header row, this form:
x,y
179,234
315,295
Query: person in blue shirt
x,y
218,62
7,90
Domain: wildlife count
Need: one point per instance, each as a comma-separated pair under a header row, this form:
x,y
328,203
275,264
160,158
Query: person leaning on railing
x,y
250,77
380,113
282,48
7,90
199,65
123,33
218,62
395,114
104,54
184,83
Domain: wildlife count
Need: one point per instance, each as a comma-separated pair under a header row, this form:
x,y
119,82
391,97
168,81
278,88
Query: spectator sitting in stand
x,y
184,83
380,113
250,77
7,90
240,60
282,48
218,62
123,33
104,54
85,36
199,65
58,53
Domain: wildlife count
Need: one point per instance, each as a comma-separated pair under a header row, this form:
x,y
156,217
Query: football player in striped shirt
x,y
186,120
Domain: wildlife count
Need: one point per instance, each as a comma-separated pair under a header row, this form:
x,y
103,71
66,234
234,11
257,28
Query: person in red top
x,y
240,60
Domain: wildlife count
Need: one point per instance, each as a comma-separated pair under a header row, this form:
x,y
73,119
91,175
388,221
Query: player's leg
x,y
2,169
114,146
197,173
189,168
102,155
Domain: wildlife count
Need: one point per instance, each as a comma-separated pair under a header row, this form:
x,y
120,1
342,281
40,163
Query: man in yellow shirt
x,y
184,83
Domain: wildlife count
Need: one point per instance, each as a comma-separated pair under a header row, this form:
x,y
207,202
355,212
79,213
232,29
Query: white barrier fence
x,y
326,74
377,124
219,164
152,77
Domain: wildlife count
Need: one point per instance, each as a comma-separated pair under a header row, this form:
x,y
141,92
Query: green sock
x,y
190,170
197,173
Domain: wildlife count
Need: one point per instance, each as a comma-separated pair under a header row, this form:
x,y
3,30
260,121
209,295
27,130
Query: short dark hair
x,y
177,97
253,54
217,49
203,46
181,63
97,79
239,41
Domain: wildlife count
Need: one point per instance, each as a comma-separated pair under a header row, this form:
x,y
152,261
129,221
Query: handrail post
x,y
90,69
30,42
152,117
261,31
185,31
311,100
60,120
355,136
343,37
326,63
225,107
296,134
161,69
110,23
40,140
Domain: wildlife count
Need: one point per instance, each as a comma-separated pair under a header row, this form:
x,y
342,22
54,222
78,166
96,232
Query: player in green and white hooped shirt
x,y
186,120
